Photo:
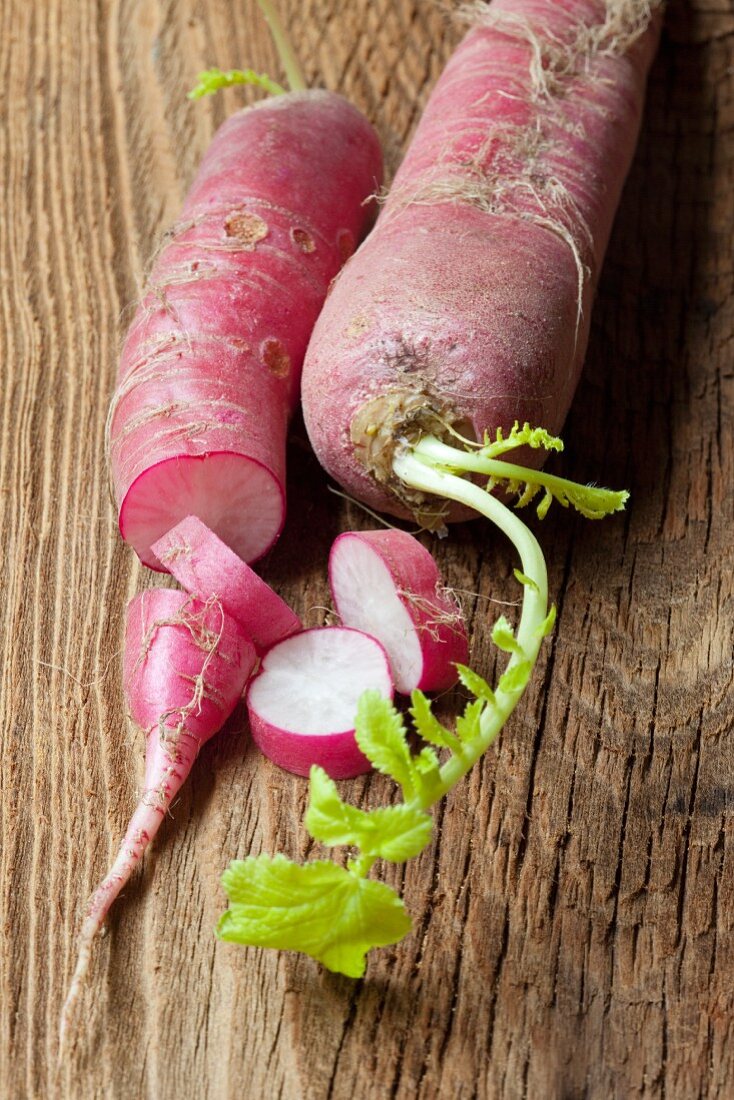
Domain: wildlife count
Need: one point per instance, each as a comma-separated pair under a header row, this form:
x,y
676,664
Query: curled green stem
x,y
418,471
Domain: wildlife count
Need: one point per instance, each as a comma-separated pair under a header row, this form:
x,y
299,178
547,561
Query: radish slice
x,y
388,585
207,568
303,703
163,493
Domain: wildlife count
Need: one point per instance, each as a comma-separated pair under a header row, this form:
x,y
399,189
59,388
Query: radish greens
x,y
336,913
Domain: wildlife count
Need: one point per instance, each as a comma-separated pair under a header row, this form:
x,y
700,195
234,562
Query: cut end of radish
x,y
368,601
303,703
386,584
235,496
207,568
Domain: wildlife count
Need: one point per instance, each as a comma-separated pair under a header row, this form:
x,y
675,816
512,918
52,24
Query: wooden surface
x,y
574,918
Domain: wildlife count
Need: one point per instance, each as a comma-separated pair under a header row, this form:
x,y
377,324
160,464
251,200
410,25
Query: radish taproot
x,y
209,371
186,664
463,316
303,701
208,569
388,585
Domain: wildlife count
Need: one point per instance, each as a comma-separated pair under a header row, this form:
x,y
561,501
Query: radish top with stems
x,y
335,913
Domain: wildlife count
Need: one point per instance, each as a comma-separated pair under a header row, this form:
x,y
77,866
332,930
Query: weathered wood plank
x,y
574,916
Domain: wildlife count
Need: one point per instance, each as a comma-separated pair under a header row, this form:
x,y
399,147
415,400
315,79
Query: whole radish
x,y
469,303
185,666
210,368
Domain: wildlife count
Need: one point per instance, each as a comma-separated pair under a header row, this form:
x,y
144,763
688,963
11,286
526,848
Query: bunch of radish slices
x,y
459,323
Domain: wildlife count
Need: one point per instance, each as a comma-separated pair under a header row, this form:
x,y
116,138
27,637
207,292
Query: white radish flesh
x,y
388,585
207,568
302,705
155,497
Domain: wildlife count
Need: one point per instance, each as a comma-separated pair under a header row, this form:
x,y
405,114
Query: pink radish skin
x,y
303,701
210,368
185,667
207,568
462,306
388,585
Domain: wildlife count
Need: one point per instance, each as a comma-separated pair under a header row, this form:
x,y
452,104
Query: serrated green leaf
x,y
504,638
527,581
317,908
380,733
428,773
515,678
396,833
542,509
593,502
528,494
328,818
211,80
519,437
426,761
546,627
467,724
428,726
393,832
476,684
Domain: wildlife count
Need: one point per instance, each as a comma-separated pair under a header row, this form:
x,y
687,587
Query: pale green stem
x,y
435,451
362,866
417,470
286,53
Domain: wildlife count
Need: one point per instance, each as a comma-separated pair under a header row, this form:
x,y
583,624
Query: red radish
x,y
388,585
469,303
303,701
207,568
210,368
185,666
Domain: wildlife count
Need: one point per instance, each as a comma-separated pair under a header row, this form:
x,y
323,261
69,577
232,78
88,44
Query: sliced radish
x,y
303,702
248,516
388,585
206,568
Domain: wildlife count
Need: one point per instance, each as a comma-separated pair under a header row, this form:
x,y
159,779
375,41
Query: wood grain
x,y
574,919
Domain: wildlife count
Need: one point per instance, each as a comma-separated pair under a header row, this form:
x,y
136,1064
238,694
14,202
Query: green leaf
x,y
317,908
428,726
591,501
476,684
467,724
546,627
542,509
380,734
521,437
328,819
527,581
394,833
211,80
428,774
503,637
515,678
